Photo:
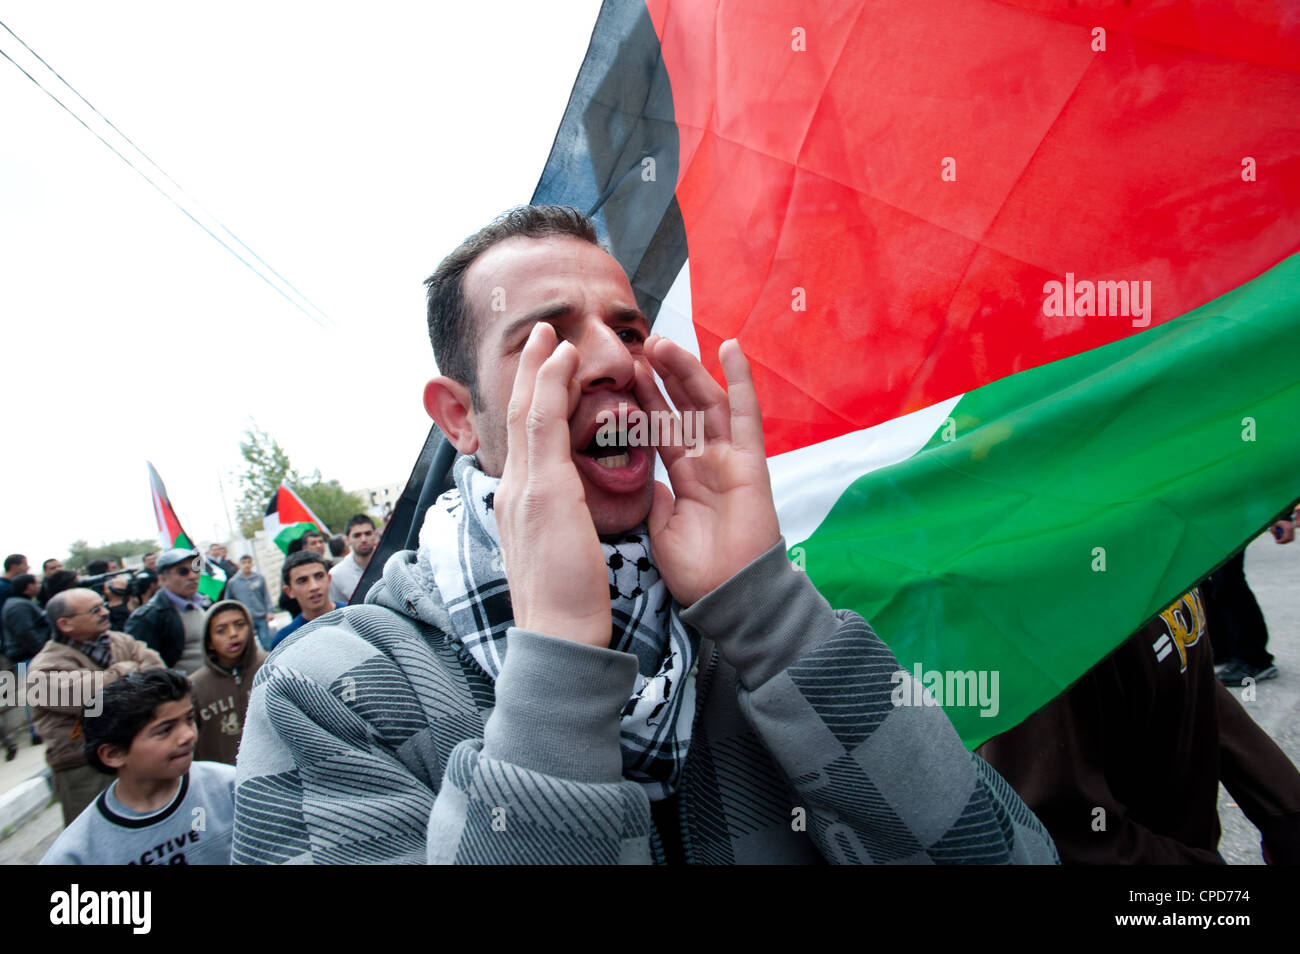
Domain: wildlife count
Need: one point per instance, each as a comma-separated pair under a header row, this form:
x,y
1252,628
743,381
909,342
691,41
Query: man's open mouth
x,y
608,454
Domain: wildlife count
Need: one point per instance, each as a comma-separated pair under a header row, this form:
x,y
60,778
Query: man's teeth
x,y
616,460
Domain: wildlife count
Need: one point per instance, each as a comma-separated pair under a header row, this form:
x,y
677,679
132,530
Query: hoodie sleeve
x,y
881,783
362,744
545,783
336,764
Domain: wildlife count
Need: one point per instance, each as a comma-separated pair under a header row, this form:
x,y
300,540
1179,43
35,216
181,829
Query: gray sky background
x,y
349,149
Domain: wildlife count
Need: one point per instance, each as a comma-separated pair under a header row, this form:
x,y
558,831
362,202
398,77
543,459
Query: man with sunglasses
x,y
80,659
171,623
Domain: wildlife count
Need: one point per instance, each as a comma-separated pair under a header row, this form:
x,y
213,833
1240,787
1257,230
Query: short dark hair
x,y
452,330
49,561
301,558
356,521
313,533
338,546
22,581
13,560
129,705
96,567
56,583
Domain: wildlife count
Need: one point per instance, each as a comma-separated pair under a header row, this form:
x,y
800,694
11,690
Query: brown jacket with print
x,y
221,695
65,679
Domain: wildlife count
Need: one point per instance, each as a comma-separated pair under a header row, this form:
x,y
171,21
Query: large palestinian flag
x,y
212,578
288,518
1018,279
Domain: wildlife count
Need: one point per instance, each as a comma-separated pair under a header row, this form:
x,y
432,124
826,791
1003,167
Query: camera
x,y
137,585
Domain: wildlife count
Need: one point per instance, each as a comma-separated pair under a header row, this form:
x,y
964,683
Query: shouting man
x,y
580,664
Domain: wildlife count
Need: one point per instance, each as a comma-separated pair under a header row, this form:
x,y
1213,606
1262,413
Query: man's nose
x,y
606,361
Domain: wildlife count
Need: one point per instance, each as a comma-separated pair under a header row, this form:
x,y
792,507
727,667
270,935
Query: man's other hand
x,y
559,584
719,515
1283,531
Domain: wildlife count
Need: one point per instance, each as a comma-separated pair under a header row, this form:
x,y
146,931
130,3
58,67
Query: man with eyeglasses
x,y
80,659
171,623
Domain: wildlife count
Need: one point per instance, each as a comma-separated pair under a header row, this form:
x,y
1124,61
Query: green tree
x,y
266,466
329,501
80,553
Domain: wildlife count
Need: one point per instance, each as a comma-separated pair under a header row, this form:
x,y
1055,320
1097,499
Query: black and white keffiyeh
x,y
460,543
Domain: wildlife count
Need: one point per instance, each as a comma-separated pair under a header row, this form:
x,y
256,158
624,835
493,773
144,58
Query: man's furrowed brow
x,y
630,316
621,314
547,312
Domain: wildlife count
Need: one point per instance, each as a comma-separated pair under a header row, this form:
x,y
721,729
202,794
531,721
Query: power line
x,y
159,188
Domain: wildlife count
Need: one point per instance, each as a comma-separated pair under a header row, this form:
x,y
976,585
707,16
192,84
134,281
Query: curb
x,y
23,801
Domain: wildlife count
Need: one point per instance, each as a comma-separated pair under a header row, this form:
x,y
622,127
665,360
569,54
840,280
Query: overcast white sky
x,y
350,147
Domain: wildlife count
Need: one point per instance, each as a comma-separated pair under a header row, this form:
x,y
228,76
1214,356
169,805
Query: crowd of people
x,y
94,628
580,665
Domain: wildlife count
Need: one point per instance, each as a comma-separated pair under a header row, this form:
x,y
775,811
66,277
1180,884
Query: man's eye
x,y
631,335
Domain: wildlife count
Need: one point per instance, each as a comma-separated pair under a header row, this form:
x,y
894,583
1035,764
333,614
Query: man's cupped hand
x,y
718,516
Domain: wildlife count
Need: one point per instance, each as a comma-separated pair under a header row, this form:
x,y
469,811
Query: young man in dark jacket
x,y
674,689
25,626
25,632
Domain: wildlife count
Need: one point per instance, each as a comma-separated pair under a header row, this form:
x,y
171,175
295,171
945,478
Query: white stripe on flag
x,y
808,481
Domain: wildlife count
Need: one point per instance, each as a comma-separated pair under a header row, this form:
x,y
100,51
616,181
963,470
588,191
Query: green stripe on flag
x,y
292,533
1159,454
211,587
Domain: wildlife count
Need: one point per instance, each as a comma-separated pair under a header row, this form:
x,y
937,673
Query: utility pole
x,y
225,506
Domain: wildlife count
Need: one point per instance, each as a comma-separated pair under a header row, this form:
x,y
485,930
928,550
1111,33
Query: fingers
x,y
539,346
653,403
746,417
690,386
661,510
554,398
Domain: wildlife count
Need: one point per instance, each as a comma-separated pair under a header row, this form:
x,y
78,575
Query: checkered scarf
x,y
656,722
99,650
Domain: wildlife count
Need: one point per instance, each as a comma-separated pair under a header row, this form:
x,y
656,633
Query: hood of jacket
x,y
252,654
407,587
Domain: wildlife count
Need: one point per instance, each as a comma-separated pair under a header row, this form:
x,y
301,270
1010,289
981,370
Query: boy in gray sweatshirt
x,y
164,808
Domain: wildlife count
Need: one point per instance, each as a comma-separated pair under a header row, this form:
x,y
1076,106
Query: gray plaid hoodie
x,y
372,736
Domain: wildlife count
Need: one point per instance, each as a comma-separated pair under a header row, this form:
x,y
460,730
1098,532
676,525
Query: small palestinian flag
x,y
1019,282
212,579
288,518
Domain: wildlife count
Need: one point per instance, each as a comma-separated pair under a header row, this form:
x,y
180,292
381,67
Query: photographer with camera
x,y
117,597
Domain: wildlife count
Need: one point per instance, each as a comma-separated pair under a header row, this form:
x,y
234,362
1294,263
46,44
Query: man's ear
x,y
111,755
448,402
